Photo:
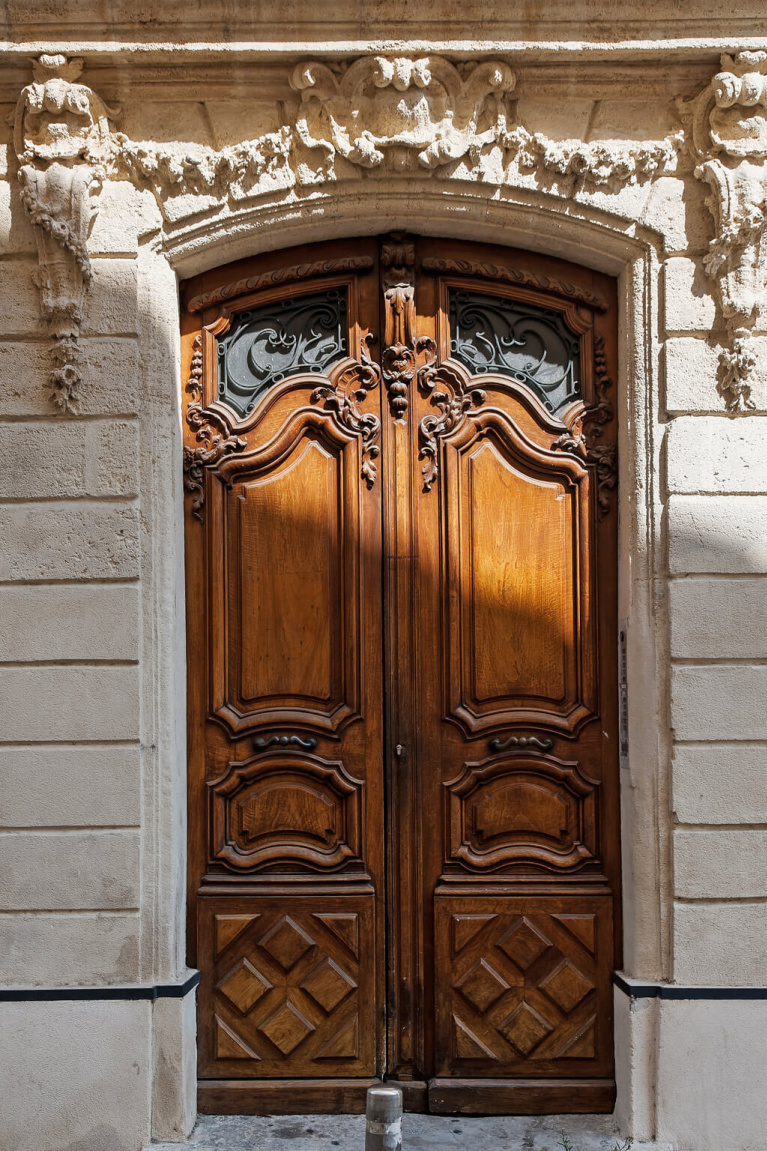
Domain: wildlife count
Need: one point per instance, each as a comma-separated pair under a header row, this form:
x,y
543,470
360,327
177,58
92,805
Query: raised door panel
x,y
520,810
288,988
285,641
522,993
519,600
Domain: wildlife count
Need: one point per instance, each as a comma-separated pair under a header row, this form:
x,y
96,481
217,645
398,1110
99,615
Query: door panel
x,y
401,595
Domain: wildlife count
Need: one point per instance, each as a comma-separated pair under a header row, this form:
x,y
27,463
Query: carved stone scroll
x,y
727,123
62,141
422,111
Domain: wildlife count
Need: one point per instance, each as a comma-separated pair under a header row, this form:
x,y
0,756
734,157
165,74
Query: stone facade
x,y
137,151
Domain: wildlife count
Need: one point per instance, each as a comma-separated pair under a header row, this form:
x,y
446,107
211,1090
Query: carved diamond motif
x,y
482,986
328,985
286,943
525,1028
286,1027
524,944
566,986
243,986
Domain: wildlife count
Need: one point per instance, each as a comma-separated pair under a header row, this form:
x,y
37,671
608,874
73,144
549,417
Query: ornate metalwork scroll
x,y
528,343
267,345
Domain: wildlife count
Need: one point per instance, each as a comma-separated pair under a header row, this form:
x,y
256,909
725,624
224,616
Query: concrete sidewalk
x,y
419,1133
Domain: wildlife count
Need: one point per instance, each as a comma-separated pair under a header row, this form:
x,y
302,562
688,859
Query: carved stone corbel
x,y
727,123
62,141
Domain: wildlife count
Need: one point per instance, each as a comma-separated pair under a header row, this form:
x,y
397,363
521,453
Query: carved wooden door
x,y
401,600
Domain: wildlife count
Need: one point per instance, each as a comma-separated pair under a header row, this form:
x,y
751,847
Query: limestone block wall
x,y
92,649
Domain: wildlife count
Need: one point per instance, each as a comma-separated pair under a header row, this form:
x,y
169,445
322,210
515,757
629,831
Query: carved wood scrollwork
x,y
342,399
521,276
452,403
211,432
404,355
276,278
582,438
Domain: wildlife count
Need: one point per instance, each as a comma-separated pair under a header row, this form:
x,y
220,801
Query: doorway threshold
x,y
419,1133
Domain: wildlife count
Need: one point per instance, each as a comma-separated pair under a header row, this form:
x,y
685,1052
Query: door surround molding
x,y
583,234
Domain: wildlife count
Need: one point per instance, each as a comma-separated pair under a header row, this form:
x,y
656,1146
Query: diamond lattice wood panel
x,y
288,990
527,993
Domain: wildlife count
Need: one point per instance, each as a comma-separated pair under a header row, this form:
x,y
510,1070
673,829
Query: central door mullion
x,y
405,992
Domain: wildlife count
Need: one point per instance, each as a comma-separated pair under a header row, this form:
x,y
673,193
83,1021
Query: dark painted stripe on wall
x,y
47,994
677,991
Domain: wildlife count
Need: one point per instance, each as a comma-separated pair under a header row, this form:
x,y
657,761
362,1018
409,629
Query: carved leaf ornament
x,y
393,113
401,106
727,124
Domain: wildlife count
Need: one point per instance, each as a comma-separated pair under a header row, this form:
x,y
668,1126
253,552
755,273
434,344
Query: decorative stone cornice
x,y
62,141
727,125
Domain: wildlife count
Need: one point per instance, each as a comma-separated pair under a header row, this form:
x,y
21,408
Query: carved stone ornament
x,y
418,111
62,141
728,132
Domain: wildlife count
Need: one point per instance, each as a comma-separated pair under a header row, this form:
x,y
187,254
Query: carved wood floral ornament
x,y
391,114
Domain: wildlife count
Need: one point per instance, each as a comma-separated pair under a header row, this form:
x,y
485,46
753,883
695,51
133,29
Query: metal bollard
x,y
383,1131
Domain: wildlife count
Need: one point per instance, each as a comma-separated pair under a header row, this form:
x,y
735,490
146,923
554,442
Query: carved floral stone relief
x,y
727,124
390,114
62,142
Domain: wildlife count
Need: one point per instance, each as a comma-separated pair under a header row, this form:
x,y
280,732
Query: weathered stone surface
x,y
419,1133
95,1062
719,702
688,299
112,304
20,314
69,703
718,618
69,950
69,458
720,784
69,871
720,943
720,864
79,540
16,231
707,1053
110,384
726,534
54,785
125,213
716,454
693,374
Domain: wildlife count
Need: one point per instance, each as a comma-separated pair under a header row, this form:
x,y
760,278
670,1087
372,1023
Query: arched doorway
x,y
403,745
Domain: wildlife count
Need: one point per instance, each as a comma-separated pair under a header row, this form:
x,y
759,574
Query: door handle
x,y
520,741
261,743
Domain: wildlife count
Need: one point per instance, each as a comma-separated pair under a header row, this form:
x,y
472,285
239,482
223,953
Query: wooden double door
x,y
401,598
